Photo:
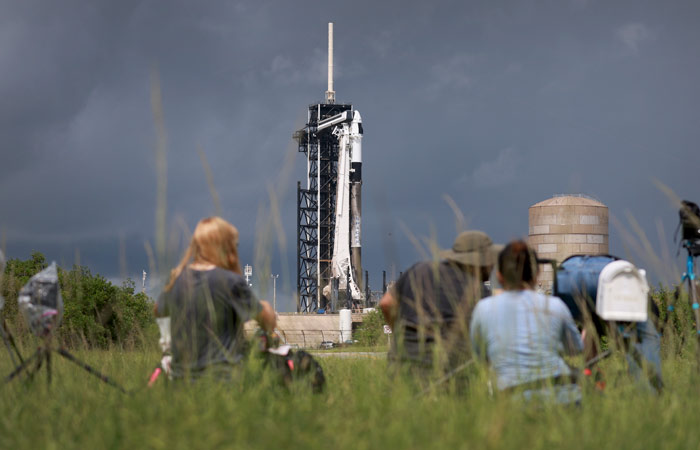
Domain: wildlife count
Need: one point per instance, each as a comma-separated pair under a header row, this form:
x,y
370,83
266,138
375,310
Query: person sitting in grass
x,y
429,306
522,334
208,301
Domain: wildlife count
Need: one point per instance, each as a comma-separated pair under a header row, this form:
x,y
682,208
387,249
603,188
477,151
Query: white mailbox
x,y
622,293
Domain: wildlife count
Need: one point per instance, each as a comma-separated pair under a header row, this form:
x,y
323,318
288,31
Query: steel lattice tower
x,y
316,205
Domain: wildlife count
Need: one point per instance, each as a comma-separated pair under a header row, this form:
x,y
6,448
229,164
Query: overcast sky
x,y
498,105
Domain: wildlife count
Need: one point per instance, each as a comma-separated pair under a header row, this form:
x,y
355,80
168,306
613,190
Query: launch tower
x,y
329,207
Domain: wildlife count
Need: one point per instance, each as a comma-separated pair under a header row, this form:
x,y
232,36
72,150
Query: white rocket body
x,y
347,242
355,139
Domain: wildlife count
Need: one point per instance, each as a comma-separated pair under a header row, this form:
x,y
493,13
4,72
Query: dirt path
x,y
370,355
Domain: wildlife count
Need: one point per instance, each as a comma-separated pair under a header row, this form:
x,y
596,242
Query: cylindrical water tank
x,y
567,225
345,318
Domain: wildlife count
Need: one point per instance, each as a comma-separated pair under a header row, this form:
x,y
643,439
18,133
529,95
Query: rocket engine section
x,y
347,247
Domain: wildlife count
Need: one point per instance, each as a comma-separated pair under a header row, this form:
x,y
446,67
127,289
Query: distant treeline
x,y
96,312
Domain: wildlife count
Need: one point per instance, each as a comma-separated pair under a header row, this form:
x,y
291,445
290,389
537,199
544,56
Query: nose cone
x,y
356,118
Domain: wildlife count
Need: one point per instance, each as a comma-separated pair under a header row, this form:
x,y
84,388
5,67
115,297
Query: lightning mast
x,y
330,93
329,207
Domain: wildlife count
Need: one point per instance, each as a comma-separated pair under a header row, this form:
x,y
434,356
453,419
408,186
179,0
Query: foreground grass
x,y
361,408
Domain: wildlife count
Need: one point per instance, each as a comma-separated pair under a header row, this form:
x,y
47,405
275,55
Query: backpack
x,y
297,366
292,366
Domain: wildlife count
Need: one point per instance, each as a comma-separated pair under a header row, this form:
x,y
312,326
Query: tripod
x,y
42,356
693,248
9,342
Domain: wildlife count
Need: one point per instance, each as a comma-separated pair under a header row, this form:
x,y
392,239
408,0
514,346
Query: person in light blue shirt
x,y
523,334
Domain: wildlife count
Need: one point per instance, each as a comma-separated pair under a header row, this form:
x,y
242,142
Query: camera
x,y
690,220
41,303
690,225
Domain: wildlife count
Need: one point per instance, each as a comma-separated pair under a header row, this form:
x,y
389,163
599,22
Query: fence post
x,y
367,290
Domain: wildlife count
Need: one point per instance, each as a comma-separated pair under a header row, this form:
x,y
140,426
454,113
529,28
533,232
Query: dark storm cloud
x,y
495,104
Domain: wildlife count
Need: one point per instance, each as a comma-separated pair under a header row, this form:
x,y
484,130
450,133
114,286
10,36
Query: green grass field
x,y
362,408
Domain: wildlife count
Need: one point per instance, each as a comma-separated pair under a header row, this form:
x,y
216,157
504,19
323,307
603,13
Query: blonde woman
x,y
208,301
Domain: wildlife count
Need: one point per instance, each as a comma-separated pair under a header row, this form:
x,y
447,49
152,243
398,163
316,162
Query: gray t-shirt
x,y
207,311
435,300
523,335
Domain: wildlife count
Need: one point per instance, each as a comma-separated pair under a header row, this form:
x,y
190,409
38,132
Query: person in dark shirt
x,y
429,307
208,302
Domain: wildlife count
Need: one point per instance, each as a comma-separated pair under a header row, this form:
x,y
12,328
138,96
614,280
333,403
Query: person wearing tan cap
x,y
429,307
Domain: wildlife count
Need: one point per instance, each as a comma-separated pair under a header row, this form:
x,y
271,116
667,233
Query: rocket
x,y
356,196
346,262
347,241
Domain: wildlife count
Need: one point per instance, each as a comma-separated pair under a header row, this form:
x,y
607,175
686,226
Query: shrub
x,y
371,331
16,275
95,311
